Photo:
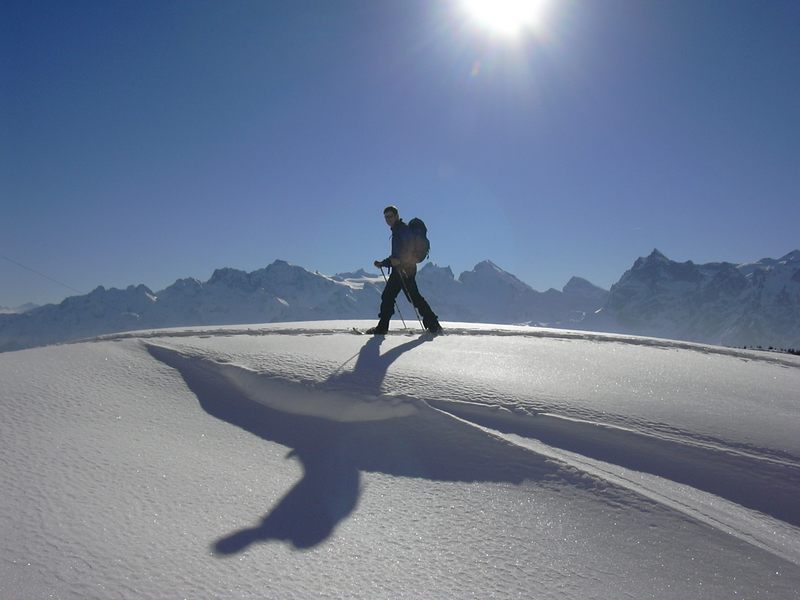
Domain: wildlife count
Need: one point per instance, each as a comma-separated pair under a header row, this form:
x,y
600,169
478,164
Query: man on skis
x,y
403,266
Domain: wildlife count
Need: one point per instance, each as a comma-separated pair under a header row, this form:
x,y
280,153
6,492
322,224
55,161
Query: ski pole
x,y
405,289
397,308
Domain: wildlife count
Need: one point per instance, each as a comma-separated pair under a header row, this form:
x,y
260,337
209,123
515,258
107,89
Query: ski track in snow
x,y
743,491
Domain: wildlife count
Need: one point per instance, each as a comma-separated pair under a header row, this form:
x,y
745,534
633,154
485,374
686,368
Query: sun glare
x,y
505,17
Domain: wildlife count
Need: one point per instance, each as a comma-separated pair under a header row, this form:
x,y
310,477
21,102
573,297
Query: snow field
x,y
321,463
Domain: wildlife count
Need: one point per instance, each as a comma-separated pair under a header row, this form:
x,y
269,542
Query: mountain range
x,y
752,304
720,303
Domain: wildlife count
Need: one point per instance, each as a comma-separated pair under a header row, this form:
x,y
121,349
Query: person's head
x,y
391,215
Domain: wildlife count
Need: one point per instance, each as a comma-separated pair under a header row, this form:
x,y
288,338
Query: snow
x,y
297,460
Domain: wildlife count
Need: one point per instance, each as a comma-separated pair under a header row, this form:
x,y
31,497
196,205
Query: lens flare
x,y
505,17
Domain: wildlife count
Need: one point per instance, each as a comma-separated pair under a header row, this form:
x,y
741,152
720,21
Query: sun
x,y
506,17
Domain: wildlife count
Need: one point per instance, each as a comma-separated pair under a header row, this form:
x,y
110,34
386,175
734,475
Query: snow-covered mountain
x,y
720,303
285,292
5,310
488,294
301,461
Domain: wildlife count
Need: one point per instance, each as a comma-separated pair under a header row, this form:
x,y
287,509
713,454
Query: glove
x,y
378,263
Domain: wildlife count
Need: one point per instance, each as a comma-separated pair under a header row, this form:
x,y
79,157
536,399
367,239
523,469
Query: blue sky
x,y
141,142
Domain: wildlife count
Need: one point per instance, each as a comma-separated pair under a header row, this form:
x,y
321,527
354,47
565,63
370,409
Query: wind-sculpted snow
x,y
653,386
337,434
262,389
710,465
490,461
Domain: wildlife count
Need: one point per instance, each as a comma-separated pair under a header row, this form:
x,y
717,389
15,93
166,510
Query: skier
x,y
403,272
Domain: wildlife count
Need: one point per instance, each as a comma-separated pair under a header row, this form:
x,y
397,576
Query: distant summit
x,y
581,297
359,274
656,256
722,303
792,258
578,285
488,273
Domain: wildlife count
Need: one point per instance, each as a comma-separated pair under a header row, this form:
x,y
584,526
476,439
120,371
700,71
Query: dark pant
x,y
393,287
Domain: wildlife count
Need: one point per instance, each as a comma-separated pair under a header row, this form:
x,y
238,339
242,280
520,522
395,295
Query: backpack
x,y
420,246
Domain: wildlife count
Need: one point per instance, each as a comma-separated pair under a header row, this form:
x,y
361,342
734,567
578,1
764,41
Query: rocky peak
x,y
233,278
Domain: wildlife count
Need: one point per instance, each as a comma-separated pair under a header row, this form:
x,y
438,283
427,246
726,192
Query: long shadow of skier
x,y
334,453
371,367
330,487
428,444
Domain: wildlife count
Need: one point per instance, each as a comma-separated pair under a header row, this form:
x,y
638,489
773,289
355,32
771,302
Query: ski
x,y
433,334
357,331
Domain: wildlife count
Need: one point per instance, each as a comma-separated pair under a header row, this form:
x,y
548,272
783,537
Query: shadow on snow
x,y
428,445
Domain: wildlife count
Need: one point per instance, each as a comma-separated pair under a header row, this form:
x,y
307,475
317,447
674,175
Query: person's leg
x,y
393,287
429,319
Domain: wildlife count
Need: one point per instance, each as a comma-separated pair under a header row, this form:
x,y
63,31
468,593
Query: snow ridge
x,y
325,328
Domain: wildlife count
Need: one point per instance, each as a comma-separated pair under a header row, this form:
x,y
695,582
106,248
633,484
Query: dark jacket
x,y
402,248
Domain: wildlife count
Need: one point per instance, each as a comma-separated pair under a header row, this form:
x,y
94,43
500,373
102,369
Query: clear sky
x,y
145,141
